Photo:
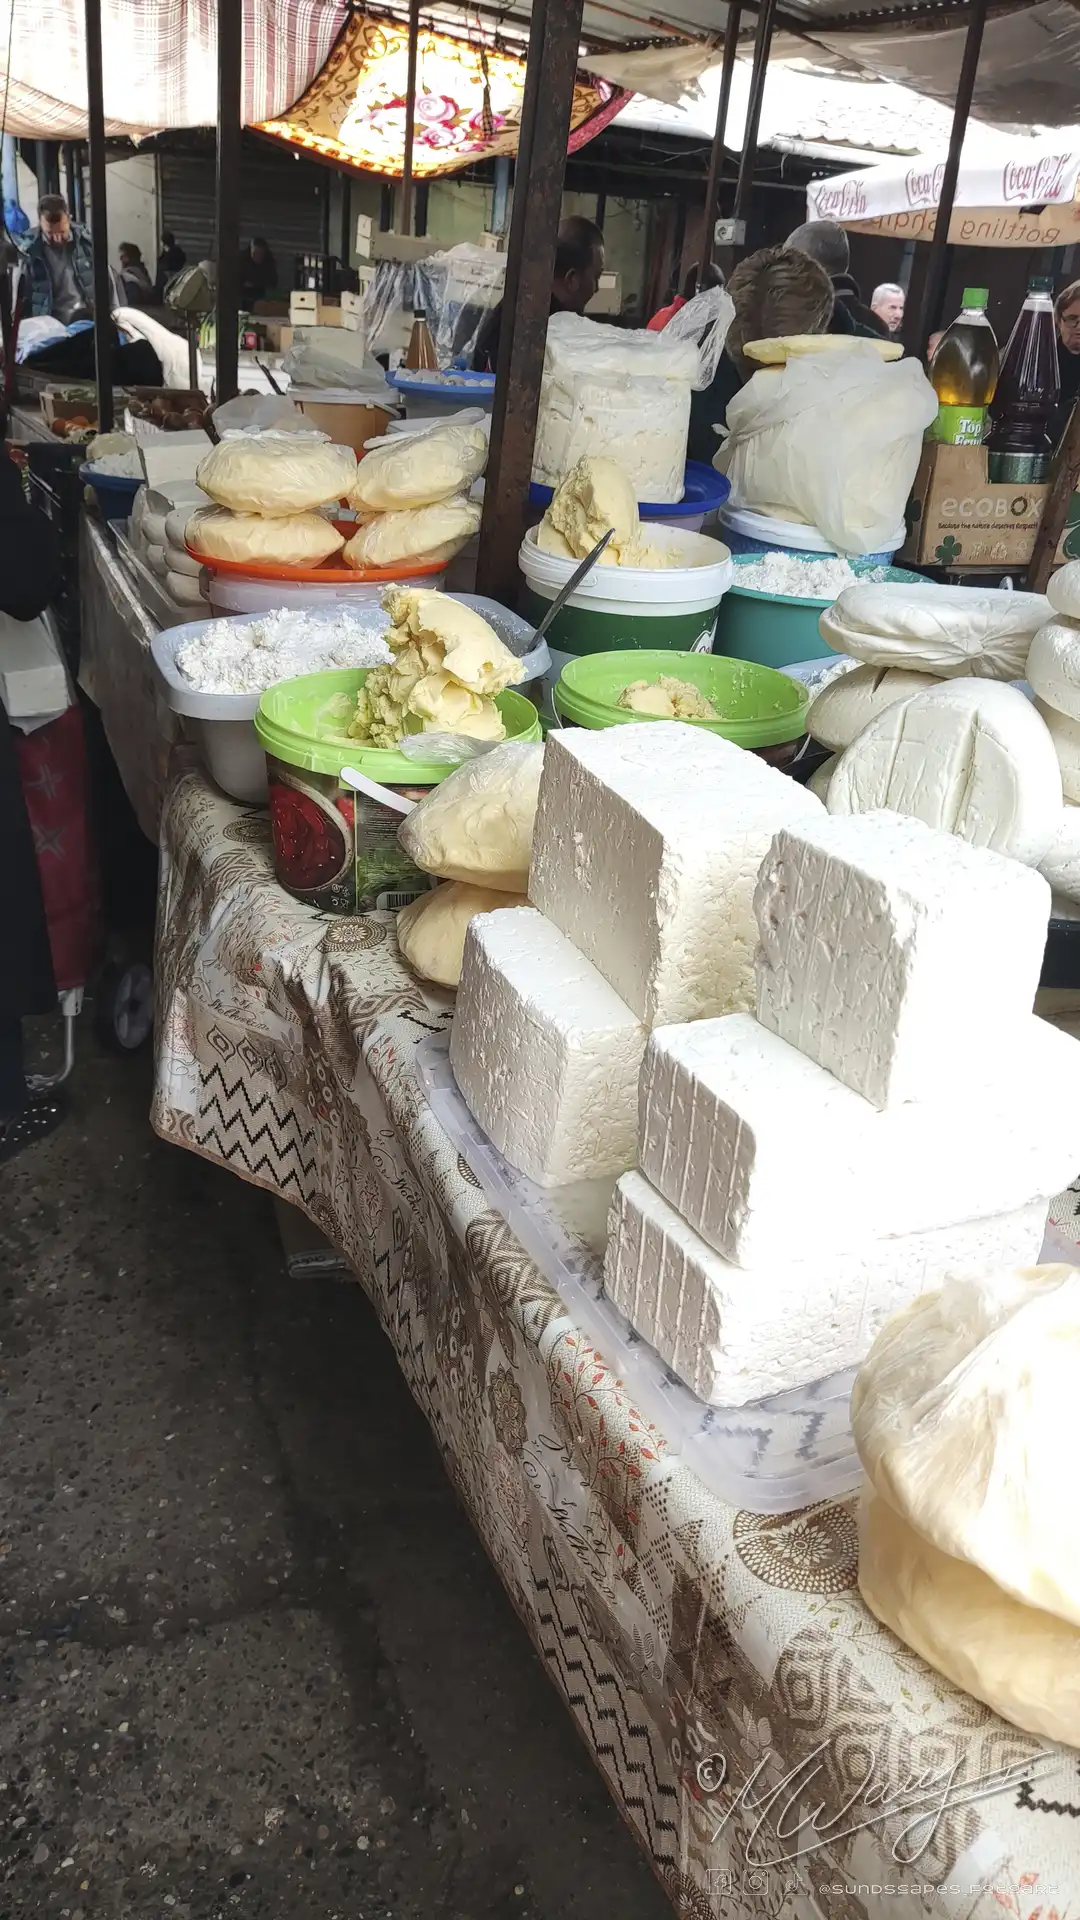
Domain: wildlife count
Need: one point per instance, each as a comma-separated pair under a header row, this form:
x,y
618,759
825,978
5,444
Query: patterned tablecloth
x,y
720,1665
116,673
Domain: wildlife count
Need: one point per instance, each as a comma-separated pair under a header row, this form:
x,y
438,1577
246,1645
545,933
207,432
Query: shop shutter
x,y
282,198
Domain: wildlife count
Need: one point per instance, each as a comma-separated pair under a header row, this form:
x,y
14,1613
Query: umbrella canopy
x,y
1014,193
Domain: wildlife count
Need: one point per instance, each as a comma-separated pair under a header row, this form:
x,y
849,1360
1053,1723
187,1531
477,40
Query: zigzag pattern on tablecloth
x,y
259,1135
625,1749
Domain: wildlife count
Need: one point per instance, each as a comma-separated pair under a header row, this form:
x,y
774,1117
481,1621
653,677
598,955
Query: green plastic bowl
x,y
776,630
757,706
303,722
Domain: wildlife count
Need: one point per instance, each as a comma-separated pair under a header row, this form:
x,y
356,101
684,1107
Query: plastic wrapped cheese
x,y
964,1415
301,540
1065,734
421,533
1023,1663
946,631
969,756
845,706
276,474
431,930
477,824
416,470
1060,864
1053,666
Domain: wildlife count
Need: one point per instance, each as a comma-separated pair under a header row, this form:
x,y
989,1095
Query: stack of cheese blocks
x,y
1053,672
895,1113
645,854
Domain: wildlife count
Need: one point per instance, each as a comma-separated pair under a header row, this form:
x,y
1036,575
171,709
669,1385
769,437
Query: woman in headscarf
x,y
775,292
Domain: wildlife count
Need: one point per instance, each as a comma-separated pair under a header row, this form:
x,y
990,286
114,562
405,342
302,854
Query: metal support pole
x,y
554,32
763,34
716,157
500,195
230,62
410,118
104,331
928,312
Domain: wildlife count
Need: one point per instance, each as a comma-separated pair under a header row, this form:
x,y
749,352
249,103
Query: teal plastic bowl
x,y
778,630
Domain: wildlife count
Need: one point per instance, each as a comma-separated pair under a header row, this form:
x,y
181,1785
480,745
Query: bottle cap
x,y
1040,283
976,296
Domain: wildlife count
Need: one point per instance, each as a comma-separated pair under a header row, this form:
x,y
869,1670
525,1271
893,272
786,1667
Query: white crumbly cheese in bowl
x,y
801,577
248,657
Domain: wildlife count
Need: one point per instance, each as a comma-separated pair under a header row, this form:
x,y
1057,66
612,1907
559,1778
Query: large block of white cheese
x,y
765,1154
735,1334
646,847
546,1055
895,955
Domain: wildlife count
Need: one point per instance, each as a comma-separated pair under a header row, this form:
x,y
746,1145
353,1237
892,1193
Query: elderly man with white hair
x,y
887,301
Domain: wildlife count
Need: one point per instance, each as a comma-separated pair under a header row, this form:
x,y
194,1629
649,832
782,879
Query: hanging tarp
x,y
468,103
1024,196
160,59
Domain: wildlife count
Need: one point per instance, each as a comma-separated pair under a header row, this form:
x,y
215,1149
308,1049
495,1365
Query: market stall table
x,y
701,1650
116,673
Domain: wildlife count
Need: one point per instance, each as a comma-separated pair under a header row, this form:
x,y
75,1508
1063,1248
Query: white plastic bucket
x,y
750,532
620,607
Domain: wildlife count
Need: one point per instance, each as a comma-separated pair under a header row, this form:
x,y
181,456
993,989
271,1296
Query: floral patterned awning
x,y
468,103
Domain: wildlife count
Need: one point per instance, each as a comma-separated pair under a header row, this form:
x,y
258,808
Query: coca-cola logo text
x,y
846,201
923,189
1037,180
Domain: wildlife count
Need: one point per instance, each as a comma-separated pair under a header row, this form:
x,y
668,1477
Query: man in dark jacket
x,y
29,579
579,262
827,243
59,263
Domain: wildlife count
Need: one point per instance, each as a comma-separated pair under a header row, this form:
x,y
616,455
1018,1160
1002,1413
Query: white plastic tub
x,y
223,723
750,532
230,593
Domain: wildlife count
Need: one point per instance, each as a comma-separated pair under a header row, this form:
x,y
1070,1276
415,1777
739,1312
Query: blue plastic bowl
x,y
705,492
115,492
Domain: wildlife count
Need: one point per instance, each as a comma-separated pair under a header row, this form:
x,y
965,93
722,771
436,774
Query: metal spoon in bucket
x,y
563,596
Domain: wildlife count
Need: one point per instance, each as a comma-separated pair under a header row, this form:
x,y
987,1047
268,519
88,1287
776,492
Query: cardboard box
x,y
53,408
608,295
352,312
956,518
405,247
279,336
365,227
308,309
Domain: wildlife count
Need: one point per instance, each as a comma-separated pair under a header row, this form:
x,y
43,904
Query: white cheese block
x,y
893,955
546,1055
178,561
184,591
845,706
983,631
819,780
1053,667
762,1151
646,847
971,757
1022,1663
1063,590
1065,734
735,1334
965,1419
1060,864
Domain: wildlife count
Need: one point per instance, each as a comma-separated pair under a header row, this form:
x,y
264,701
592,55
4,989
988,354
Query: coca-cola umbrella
x,y
1019,195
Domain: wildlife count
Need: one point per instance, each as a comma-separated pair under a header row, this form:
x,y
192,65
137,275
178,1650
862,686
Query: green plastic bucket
x,y
335,848
757,706
776,630
619,607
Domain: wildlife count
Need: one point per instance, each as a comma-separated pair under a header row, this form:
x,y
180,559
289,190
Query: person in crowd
x,y
59,263
579,262
933,342
826,242
136,289
777,291
697,280
29,579
258,273
887,302
170,260
1067,317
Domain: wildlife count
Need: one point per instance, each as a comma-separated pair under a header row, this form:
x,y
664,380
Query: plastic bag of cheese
x,y
946,631
431,929
301,540
970,757
424,533
477,825
417,469
276,473
831,439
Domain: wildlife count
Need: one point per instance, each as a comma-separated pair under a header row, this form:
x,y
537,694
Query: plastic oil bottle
x,y
1022,413
964,373
420,355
